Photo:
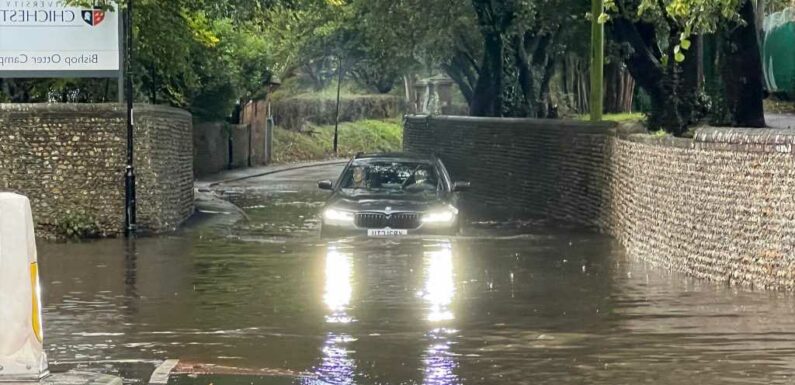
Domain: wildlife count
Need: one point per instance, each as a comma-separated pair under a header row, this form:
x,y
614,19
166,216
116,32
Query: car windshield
x,y
390,178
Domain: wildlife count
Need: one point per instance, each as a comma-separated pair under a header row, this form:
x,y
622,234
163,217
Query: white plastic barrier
x,y
22,356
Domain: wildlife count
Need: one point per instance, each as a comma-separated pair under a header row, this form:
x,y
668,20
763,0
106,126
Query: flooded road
x,y
513,304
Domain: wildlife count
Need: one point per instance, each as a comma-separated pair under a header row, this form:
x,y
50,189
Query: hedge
x,y
297,112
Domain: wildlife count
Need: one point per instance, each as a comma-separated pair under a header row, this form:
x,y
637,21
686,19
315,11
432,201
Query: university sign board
x,y
47,38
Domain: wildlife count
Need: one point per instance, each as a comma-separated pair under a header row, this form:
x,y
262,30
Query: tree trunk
x,y
526,103
619,89
673,97
545,108
741,72
464,71
580,77
647,70
487,95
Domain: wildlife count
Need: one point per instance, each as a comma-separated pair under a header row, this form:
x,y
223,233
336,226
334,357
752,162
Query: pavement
x,y
782,121
210,181
73,378
214,211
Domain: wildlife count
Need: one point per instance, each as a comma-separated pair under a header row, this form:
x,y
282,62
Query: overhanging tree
x,y
501,53
663,35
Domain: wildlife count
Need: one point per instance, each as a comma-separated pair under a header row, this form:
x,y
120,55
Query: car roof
x,y
404,156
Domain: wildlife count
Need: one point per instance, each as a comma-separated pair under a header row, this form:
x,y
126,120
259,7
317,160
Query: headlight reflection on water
x,y
439,361
339,286
439,283
337,366
338,363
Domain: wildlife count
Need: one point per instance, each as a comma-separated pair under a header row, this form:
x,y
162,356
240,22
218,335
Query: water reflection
x,y
337,366
439,292
337,295
439,360
439,286
130,277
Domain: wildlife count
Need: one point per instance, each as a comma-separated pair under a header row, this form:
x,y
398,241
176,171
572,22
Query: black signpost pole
x,y
337,116
129,174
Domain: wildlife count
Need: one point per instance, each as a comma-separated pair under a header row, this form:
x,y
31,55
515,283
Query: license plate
x,y
386,233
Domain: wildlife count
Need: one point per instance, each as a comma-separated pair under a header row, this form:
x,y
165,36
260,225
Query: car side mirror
x,y
325,185
461,186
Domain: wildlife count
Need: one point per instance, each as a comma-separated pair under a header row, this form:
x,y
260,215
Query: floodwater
x,y
517,303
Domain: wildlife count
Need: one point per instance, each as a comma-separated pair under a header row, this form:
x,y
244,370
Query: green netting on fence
x,y
779,52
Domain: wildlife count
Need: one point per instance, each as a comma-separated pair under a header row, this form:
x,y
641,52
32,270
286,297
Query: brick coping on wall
x,y
89,107
719,206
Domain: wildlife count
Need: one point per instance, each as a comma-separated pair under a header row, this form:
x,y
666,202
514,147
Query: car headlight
x,y
446,215
338,215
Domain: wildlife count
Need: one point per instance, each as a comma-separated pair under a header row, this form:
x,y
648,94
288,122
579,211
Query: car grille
x,y
402,221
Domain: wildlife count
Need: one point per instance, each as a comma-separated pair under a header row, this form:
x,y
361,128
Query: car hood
x,y
371,203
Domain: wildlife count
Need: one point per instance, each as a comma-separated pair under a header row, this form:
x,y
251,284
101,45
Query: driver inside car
x,y
359,178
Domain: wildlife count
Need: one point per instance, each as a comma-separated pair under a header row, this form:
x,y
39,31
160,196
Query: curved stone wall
x,y
720,206
70,159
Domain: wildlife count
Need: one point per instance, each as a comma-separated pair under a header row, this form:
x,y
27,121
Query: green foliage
x,y
77,226
192,59
375,41
772,6
623,117
686,17
658,134
204,55
306,39
200,55
360,136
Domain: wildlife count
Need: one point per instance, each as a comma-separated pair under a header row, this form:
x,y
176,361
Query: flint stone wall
x,y
720,206
70,159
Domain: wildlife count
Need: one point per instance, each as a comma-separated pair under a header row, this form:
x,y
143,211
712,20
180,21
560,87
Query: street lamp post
x,y
129,173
